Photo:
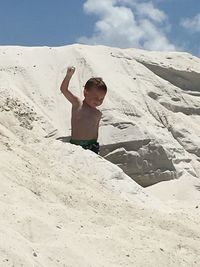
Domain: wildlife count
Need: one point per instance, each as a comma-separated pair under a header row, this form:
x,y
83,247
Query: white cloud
x,y
192,24
147,10
128,23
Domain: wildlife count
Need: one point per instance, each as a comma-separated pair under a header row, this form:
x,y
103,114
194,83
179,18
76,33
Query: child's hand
x,y
70,71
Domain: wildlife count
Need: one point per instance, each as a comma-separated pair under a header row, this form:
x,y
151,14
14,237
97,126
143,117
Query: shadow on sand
x,y
64,139
197,187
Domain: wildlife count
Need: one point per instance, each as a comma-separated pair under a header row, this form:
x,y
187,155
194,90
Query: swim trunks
x,y
92,145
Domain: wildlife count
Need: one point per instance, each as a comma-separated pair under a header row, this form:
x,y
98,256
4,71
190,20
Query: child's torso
x,y
85,123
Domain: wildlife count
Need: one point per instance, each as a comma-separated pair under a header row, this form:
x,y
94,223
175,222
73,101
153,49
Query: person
x,y
85,116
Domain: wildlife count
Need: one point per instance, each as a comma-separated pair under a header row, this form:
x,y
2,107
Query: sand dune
x,y
138,203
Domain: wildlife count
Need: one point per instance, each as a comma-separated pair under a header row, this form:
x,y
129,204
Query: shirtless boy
x,y
85,117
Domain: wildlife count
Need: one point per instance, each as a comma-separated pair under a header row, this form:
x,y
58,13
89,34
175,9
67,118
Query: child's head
x,y
94,91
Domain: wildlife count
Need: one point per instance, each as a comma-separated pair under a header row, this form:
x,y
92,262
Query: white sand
x,y
63,206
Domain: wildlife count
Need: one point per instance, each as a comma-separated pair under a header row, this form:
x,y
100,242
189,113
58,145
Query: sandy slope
x,y
63,206
56,214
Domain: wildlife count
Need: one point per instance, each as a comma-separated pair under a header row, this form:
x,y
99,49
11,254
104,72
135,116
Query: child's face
x,y
94,97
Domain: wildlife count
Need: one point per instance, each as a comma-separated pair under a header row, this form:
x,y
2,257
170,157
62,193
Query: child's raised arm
x,y
64,87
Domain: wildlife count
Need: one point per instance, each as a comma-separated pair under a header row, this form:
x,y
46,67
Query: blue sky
x,y
168,25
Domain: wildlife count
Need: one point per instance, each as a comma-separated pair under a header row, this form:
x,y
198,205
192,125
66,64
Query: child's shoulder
x,y
98,113
78,106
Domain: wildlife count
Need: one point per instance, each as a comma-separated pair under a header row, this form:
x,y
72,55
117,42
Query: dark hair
x,y
96,82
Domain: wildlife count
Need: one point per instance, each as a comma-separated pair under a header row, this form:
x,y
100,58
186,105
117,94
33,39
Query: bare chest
x,y
85,117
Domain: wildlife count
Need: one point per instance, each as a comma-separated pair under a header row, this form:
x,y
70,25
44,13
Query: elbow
x,y
61,89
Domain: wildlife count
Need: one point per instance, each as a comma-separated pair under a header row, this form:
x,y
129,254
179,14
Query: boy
x,y
85,117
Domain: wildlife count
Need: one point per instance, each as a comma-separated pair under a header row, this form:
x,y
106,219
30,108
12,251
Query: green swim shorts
x,y
92,145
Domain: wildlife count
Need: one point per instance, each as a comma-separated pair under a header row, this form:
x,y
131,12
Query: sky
x,y
158,25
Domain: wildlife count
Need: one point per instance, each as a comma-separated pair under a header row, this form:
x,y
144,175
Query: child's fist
x,y
70,71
